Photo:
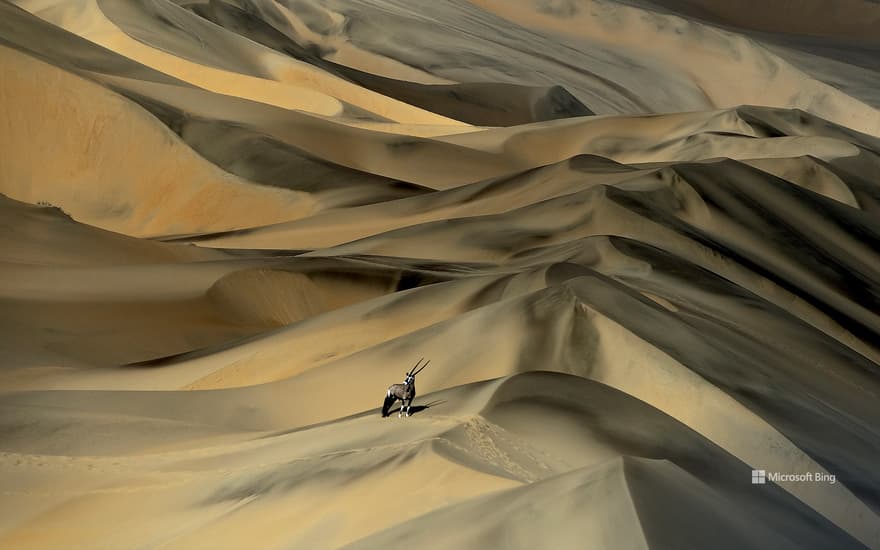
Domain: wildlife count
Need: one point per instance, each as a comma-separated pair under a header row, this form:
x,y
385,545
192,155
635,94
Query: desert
x,y
638,242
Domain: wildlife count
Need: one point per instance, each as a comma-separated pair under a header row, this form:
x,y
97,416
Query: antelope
x,y
406,392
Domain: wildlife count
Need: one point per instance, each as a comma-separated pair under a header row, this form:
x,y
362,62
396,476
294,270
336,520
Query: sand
x,y
637,240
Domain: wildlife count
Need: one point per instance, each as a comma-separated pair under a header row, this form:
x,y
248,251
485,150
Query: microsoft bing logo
x,y
759,477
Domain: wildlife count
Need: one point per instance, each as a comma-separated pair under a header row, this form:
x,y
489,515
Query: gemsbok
x,y
405,392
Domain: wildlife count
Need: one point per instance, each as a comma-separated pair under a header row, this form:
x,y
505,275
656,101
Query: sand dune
x,y
637,240
850,20
98,171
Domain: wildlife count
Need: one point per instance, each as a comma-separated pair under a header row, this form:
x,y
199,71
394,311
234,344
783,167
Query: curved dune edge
x,y
87,20
139,163
853,19
756,76
286,83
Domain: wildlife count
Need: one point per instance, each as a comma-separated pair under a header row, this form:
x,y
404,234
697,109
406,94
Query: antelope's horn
x,y
423,367
415,367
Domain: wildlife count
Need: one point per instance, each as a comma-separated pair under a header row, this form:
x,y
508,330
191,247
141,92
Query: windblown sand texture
x,y
638,240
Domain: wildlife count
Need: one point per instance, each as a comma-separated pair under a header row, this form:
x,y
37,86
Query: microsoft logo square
x,y
759,477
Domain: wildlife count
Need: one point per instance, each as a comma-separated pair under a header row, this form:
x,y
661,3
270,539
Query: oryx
x,y
406,392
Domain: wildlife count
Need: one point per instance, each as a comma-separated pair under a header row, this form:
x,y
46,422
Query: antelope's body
x,y
405,392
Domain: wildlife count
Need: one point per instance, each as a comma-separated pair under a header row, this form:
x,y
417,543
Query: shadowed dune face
x,y
638,242
848,20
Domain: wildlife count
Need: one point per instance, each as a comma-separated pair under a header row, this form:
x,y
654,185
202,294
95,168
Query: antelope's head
x,y
411,375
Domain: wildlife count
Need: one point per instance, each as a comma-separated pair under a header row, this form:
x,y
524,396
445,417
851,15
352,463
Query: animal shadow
x,y
415,409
